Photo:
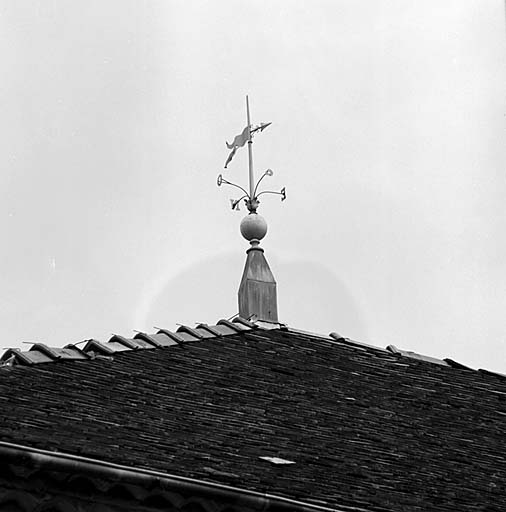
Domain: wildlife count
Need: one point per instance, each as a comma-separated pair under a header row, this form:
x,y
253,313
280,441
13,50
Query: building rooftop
x,y
265,408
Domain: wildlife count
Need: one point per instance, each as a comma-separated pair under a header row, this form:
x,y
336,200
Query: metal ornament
x,y
250,197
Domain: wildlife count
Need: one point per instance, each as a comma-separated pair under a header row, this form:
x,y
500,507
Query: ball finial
x,y
253,227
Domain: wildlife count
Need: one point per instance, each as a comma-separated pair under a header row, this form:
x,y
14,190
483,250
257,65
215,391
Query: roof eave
x,y
46,460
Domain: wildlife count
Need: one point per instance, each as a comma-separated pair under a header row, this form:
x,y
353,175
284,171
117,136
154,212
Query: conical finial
x,y
257,292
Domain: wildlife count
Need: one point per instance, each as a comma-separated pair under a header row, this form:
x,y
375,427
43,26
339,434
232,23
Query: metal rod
x,y
234,185
250,153
237,201
266,173
270,192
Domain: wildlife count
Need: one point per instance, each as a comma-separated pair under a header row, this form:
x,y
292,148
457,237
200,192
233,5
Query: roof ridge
x,y
392,349
41,353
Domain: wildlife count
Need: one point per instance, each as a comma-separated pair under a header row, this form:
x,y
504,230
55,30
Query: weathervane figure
x,y
251,197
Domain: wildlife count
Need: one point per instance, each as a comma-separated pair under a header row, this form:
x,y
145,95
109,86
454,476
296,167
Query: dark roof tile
x,y
235,326
13,355
213,330
456,364
38,356
133,344
199,334
150,338
103,348
176,338
501,376
243,321
407,353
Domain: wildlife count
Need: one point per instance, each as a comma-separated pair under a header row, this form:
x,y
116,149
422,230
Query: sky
x,y
388,132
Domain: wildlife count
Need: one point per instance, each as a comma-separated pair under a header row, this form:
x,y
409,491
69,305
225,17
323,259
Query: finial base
x,y
255,246
257,292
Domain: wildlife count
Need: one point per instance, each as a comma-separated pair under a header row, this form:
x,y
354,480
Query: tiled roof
x,y
320,419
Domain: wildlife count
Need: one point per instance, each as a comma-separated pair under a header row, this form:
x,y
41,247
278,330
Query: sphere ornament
x,y
253,227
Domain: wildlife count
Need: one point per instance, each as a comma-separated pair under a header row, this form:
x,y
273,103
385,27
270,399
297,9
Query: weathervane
x,y
251,197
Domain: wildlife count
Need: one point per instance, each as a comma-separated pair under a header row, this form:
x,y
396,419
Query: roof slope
x,y
365,427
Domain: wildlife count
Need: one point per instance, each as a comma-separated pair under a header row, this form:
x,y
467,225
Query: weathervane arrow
x,y
261,127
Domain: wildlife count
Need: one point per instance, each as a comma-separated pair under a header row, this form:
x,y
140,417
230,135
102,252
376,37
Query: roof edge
x,y
151,479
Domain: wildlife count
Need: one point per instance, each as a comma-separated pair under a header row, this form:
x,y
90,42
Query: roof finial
x,y
257,293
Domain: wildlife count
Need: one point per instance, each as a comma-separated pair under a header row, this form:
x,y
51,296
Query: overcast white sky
x,y
388,133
